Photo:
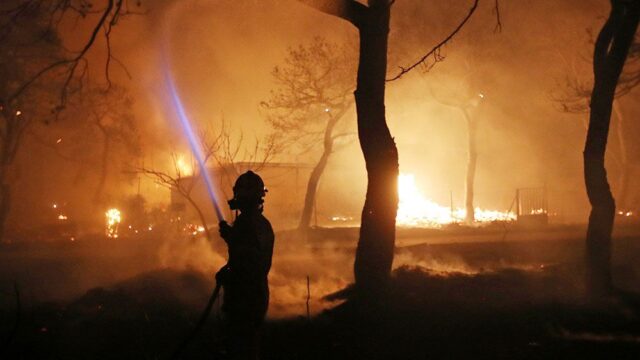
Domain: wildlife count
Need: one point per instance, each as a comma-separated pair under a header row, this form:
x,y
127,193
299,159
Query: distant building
x,y
286,184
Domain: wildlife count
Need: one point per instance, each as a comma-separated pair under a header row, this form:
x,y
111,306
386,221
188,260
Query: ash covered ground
x,y
496,292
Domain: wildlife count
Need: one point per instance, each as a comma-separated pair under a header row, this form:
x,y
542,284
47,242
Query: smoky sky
x,y
222,53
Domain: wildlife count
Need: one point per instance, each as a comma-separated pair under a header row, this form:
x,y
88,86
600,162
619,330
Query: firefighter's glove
x,y
225,230
223,275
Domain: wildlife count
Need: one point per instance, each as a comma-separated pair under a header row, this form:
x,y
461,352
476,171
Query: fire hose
x,y
201,160
201,321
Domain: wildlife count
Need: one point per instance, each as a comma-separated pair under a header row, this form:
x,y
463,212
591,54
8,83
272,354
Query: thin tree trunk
x,y
611,49
104,170
312,187
5,206
314,177
13,128
374,254
203,220
472,154
472,127
6,158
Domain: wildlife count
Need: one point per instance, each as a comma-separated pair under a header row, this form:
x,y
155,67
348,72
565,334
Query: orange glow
x,y
114,218
415,210
183,167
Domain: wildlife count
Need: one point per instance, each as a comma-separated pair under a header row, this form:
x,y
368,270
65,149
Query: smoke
x,y
450,264
194,253
329,270
223,53
524,141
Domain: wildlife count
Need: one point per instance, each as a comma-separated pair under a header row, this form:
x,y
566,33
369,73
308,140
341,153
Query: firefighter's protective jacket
x,y
246,290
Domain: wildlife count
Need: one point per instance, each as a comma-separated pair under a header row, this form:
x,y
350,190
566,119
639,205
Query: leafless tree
x,y
233,155
574,93
183,184
611,49
69,66
374,254
307,108
465,98
99,128
37,74
111,115
218,147
573,96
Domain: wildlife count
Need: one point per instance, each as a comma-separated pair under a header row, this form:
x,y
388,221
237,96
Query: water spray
x,y
194,143
196,149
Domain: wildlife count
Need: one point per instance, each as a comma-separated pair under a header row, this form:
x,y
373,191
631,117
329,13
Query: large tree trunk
x,y
611,49
374,254
472,127
314,178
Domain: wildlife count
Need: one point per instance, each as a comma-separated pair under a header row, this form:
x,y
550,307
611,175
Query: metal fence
x,y
532,206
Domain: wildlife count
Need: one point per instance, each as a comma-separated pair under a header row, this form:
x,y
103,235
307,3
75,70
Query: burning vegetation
x,y
460,175
414,210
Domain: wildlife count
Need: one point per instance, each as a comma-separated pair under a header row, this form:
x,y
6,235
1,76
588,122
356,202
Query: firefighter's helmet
x,y
249,189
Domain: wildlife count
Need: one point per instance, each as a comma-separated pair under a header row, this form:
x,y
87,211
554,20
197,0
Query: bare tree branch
x,y
220,147
181,185
109,16
314,81
72,63
496,12
434,53
573,92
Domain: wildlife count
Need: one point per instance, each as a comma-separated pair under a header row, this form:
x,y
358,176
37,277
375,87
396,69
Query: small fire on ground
x,y
415,210
113,218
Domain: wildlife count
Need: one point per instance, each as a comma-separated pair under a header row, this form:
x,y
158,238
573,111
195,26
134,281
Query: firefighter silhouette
x,y
244,278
